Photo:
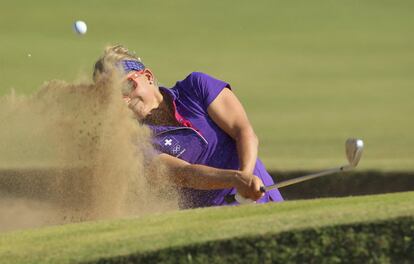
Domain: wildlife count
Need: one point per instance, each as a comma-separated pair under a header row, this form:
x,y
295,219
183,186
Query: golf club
x,y
353,151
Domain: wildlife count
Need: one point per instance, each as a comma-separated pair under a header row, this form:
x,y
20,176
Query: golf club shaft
x,y
231,198
304,178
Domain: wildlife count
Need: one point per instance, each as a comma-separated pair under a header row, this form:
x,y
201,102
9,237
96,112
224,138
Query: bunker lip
x,y
48,199
338,185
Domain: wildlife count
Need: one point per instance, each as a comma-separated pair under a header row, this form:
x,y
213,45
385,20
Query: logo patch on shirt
x,y
172,146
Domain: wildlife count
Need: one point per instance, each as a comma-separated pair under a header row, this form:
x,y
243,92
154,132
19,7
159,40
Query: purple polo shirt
x,y
203,143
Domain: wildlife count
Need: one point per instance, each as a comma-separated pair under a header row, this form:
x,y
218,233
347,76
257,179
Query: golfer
x,y
200,130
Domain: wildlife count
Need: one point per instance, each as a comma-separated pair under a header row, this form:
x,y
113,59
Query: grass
x,y
310,74
91,241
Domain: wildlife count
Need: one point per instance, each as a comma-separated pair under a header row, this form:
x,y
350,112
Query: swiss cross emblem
x,y
167,142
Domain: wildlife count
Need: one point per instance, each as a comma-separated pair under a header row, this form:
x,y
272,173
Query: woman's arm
x,y
184,174
228,113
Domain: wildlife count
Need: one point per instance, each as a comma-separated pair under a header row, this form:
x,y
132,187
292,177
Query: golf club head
x,y
353,149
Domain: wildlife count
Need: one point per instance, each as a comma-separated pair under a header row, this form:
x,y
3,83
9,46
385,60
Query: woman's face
x,y
140,93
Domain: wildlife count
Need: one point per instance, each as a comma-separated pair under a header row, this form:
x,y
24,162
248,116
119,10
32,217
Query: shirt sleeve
x,y
203,88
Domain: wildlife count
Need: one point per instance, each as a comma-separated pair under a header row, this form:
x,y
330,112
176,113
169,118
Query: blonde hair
x,y
110,59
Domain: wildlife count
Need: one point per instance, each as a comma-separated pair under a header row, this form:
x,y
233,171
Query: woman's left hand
x,y
249,186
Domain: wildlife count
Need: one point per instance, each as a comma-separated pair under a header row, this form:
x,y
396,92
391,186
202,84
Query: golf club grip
x,y
231,198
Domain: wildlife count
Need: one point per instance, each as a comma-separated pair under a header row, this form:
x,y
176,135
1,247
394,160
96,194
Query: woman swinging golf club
x,y
200,129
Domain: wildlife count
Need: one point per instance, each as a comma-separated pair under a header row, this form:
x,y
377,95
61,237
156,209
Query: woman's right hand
x,y
248,185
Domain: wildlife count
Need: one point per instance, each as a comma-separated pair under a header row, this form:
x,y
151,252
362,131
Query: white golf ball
x,y
80,27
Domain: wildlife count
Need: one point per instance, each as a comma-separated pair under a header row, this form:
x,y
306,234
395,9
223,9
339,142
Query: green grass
x,y
91,241
310,73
